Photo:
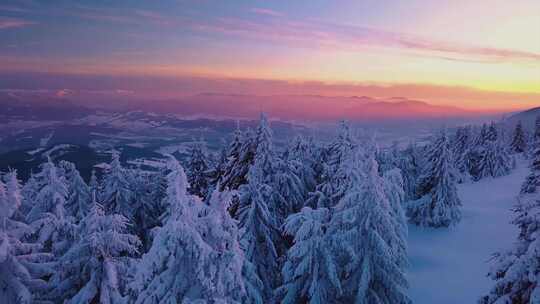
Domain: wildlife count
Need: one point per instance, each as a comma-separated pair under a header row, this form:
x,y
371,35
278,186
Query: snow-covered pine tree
x,y
495,160
333,177
364,229
29,192
409,164
536,134
519,141
19,261
439,204
176,197
240,157
147,206
301,155
325,194
158,190
339,150
47,217
394,190
194,256
310,273
492,133
218,168
532,183
285,189
93,185
477,150
79,195
197,170
264,154
461,151
516,271
388,159
233,277
259,230
482,135
288,190
93,269
117,195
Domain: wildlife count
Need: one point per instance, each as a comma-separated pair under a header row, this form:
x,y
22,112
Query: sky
x,y
480,55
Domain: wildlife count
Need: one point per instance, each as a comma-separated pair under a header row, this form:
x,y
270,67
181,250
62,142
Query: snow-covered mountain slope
x,y
449,266
527,118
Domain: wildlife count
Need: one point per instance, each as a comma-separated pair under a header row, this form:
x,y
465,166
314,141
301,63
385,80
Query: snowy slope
x,y
527,118
449,266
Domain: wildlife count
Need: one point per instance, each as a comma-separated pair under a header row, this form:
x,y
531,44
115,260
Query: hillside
x,y
527,118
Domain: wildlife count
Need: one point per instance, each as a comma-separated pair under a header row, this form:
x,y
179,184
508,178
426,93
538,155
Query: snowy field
x,y
449,266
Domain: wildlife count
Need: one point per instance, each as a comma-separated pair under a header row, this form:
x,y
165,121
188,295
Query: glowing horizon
x,y
456,53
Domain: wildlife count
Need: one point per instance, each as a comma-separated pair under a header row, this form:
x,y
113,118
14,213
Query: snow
x,y
449,266
35,151
61,147
45,140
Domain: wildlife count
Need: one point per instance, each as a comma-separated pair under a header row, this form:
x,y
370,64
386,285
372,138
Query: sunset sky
x,y
470,54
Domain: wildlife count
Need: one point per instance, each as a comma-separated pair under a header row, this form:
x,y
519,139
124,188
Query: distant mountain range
x,y
236,106
304,107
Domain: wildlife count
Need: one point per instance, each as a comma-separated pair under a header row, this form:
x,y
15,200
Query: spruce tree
x,y
235,278
492,132
288,190
301,154
476,152
240,157
461,151
218,169
519,142
79,195
198,171
93,269
117,195
532,183
495,160
147,206
47,217
333,177
439,204
409,164
339,150
29,192
264,154
394,190
20,262
93,185
259,230
365,237
515,272
195,256
310,273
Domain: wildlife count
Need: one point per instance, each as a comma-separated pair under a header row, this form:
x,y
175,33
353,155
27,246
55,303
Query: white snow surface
x,y
449,266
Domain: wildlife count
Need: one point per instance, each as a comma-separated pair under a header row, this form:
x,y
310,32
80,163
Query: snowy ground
x,y
449,266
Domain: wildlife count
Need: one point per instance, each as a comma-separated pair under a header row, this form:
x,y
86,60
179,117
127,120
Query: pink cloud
x,y
6,23
316,34
267,12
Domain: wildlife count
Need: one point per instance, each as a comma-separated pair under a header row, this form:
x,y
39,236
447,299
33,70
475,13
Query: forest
x,y
313,222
